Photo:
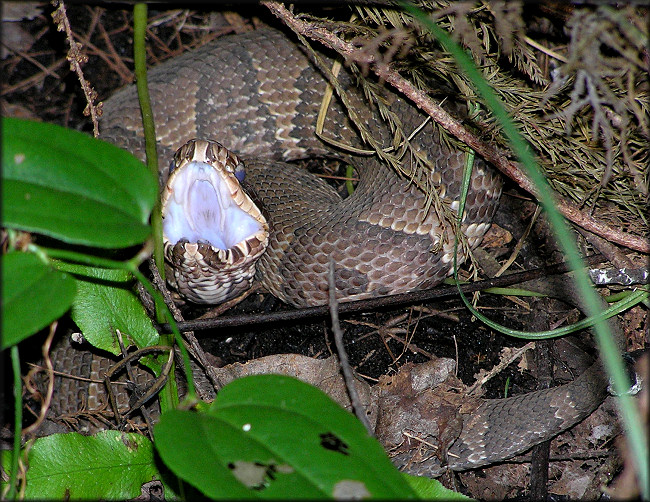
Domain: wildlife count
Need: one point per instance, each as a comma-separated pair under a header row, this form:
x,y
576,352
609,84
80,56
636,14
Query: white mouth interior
x,y
202,209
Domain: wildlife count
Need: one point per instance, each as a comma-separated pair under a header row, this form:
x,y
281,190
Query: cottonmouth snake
x,y
258,94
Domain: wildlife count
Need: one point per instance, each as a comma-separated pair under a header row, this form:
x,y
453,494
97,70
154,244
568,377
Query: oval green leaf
x,y
111,465
105,303
275,436
75,188
33,295
432,489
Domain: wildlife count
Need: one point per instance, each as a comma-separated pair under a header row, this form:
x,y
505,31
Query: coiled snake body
x,y
259,95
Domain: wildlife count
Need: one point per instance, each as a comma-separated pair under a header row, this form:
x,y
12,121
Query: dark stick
x,y
344,363
373,303
540,454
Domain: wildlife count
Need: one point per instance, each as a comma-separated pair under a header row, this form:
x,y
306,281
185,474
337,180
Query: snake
x,y
234,114
259,96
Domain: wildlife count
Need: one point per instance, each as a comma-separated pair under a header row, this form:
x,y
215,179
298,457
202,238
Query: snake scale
x,y
259,95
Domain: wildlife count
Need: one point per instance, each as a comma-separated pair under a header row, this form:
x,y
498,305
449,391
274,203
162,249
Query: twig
x,y
117,62
514,355
27,57
538,486
137,392
374,303
50,382
66,374
520,243
385,72
158,383
613,254
28,82
348,376
76,58
545,50
192,343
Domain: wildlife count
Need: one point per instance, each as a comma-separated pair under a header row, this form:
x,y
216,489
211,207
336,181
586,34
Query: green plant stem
x,y
169,398
18,422
349,173
160,303
608,347
140,59
629,301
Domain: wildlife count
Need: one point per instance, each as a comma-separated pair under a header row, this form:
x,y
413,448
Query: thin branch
x,y
344,363
508,358
192,343
76,59
36,78
375,303
45,406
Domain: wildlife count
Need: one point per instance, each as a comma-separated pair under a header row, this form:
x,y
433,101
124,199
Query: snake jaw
x,y
211,227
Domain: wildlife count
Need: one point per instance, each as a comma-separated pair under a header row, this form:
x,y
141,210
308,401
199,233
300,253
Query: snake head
x,y
213,233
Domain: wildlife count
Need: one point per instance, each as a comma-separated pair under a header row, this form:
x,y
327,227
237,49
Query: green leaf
x,y
118,276
432,489
76,188
33,295
274,436
106,302
110,465
190,443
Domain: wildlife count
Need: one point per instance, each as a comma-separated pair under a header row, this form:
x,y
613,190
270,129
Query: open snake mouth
x,y
213,232
202,208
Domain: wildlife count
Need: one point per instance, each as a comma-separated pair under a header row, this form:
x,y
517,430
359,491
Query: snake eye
x,y
240,172
173,164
